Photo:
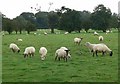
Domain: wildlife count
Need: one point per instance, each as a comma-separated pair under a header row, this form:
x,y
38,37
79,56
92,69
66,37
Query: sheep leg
x,y
55,58
103,52
13,50
96,53
59,58
93,54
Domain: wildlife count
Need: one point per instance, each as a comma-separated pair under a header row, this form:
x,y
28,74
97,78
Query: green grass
x,y
81,68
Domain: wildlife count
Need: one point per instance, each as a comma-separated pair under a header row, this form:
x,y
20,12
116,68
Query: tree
x,y
42,19
7,25
69,19
86,22
30,27
101,17
52,20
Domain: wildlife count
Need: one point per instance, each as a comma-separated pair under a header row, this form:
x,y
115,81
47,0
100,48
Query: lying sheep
x,y
14,47
77,40
61,53
43,52
90,46
100,38
96,34
66,33
101,48
29,51
20,40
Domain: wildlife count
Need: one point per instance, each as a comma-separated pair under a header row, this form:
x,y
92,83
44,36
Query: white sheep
x,y
77,40
66,33
29,51
35,34
61,53
45,33
20,40
64,48
90,46
43,52
102,48
96,34
14,47
100,38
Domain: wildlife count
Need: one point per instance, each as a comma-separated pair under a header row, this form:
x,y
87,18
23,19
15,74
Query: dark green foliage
x,y
101,18
53,20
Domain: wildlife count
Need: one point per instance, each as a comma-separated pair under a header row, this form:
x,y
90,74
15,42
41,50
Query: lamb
x,y
96,34
29,51
101,48
100,38
90,46
77,40
43,52
14,47
61,53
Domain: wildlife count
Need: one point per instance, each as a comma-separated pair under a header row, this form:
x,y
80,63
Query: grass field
x,y
83,67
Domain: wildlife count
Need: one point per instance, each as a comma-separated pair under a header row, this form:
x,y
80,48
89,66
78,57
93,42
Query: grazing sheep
x,y
64,48
43,52
90,46
61,53
66,33
77,40
96,34
20,40
14,48
29,51
45,33
35,34
100,38
101,48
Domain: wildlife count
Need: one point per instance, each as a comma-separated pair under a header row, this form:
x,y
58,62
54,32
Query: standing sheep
x,y
77,40
100,38
64,48
61,53
29,51
14,47
101,48
90,46
43,52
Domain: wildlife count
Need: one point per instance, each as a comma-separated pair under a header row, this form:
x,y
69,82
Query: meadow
x,y
83,67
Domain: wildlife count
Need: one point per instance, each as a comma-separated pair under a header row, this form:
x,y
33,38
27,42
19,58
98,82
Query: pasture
x,y
83,67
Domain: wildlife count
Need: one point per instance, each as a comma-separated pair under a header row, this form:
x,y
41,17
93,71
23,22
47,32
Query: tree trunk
x,y
104,30
52,30
16,32
28,32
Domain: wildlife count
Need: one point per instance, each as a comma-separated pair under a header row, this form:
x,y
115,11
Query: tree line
x,y
63,19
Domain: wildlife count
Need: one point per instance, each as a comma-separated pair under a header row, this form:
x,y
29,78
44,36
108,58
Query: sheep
x,y
101,48
14,47
77,40
29,51
66,33
43,52
45,33
96,34
100,38
35,34
64,48
61,53
90,46
20,40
